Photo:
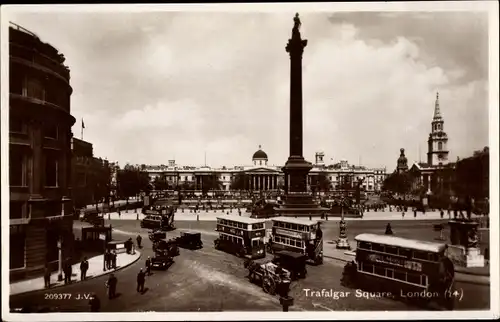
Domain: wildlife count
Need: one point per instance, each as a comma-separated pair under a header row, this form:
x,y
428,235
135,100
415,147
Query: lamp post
x,y
60,274
343,242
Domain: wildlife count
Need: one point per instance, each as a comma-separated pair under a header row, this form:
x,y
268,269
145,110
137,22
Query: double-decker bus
x,y
242,236
298,235
408,269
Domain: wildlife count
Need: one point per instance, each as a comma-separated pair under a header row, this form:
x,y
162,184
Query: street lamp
x,y
59,247
342,242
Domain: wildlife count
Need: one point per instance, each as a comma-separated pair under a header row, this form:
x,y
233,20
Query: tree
x,y
239,181
472,175
400,183
131,181
160,183
211,182
99,180
323,182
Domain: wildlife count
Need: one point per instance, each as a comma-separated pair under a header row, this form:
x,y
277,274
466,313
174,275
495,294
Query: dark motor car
x,y
293,262
190,240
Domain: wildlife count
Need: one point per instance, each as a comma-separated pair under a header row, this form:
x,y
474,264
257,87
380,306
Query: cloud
x,y
157,86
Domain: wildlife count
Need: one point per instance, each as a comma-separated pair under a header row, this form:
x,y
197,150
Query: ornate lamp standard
x,y
343,241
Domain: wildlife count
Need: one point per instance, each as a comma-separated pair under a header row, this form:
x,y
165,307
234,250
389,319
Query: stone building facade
x,y
39,154
259,175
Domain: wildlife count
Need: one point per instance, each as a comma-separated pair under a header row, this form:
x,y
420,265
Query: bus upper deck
x,y
241,235
298,235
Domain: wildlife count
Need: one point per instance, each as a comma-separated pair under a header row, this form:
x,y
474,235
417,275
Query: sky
x,y
155,86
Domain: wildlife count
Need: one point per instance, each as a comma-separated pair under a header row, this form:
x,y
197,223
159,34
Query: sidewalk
x,y
95,270
116,203
203,215
211,215
463,274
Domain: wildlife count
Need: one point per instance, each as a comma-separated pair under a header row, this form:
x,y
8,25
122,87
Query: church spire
x,y
437,110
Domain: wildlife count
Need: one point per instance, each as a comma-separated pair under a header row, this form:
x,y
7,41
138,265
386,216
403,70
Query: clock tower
x,y
438,140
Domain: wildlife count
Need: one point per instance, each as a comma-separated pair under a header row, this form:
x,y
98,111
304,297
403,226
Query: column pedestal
x,y
297,201
464,249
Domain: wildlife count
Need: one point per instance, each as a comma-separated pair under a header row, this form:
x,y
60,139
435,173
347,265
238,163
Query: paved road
x,y
210,280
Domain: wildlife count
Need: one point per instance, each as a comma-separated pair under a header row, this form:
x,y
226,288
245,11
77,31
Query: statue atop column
x,y
297,23
296,43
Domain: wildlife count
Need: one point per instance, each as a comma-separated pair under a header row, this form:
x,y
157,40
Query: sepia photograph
x,y
251,161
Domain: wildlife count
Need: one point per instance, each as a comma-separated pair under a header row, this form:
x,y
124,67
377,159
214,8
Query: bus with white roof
x,y
298,235
404,268
241,236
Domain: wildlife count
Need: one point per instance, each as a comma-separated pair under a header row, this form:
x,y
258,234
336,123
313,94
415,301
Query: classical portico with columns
x,y
261,176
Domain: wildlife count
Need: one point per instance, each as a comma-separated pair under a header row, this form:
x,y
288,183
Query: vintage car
x,y
190,240
161,259
293,262
167,245
158,238
90,216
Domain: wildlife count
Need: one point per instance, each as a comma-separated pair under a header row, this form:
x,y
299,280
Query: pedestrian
x,y
46,275
113,259
388,229
139,240
84,266
107,259
67,272
119,213
141,278
148,266
94,303
129,245
111,285
415,212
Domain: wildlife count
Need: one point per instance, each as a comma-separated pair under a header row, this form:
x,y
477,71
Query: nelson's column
x,y
298,202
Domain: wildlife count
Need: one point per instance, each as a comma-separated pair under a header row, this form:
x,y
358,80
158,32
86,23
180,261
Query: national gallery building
x,y
261,176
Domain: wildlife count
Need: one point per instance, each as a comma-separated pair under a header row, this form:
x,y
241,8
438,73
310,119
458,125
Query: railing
x,y
38,101
17,27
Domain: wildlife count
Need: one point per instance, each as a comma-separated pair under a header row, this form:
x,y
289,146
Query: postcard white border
x,y
487,6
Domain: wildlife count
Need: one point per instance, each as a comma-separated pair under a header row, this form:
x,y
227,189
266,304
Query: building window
x,y
51,169
16,83
440,146
17,243
50,131
17,168
34,89
16,125
16,209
